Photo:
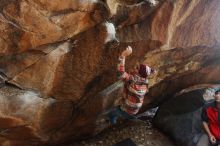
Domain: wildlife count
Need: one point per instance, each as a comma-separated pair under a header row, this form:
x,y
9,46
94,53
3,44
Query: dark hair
x,y
217,91
142,71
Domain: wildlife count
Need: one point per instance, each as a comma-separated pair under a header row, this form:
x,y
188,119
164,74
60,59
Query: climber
x,y
211,122
135,88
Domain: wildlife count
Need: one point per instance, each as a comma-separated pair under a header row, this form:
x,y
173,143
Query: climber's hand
x,y
212,139
126,52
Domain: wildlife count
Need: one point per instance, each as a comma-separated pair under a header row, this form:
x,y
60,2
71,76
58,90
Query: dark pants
x,y
116,112
204,141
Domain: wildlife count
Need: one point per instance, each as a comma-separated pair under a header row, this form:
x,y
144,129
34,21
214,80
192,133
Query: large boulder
x,y
180,116
62,56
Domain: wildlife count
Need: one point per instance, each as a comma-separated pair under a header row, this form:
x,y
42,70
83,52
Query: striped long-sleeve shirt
x,y
135,89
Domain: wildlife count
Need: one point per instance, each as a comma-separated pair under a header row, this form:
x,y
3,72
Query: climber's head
x,y
217,95
143,70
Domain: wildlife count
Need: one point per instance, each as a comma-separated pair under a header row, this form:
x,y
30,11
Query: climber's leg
x,y
113,115
125,115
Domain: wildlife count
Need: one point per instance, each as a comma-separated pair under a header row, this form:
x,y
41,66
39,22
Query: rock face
x,y
180,117
58,59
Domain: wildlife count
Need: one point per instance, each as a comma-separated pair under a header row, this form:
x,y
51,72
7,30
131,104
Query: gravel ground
x,y
142,134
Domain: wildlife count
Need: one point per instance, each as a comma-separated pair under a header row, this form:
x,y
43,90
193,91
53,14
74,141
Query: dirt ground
x,y
142,134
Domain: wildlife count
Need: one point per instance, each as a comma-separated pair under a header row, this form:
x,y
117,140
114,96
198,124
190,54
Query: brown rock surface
x,y
57,59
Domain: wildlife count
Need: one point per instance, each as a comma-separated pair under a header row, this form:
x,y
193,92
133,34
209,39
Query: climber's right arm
x,y
121,73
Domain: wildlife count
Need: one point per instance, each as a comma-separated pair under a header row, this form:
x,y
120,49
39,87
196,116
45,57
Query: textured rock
x,y
62,55
196,70
30,24
180,117
190,53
